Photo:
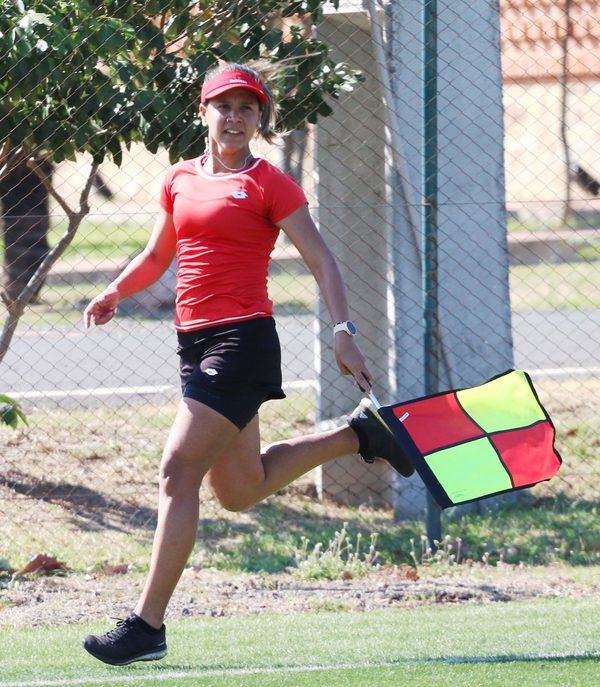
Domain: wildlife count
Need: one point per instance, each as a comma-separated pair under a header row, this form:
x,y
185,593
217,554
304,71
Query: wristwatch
x,y
348,326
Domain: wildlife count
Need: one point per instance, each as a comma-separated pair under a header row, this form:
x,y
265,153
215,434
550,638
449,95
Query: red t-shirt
x,y
226,230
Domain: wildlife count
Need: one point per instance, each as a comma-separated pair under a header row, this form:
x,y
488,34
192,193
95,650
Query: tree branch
x,y
5,149
11,158
17,307
32,163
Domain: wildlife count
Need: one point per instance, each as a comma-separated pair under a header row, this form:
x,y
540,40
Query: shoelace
x,y
121,627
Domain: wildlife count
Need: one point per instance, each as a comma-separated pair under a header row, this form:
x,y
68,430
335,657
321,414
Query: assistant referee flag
x,y
477,442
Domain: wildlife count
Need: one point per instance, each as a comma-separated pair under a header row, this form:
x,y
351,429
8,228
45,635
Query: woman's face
x,y
232,118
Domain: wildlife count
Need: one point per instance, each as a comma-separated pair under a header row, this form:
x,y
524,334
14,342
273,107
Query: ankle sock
x,y
363,441
146,625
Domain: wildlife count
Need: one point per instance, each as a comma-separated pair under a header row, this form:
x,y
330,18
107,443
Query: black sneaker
x,y
376,439
131,640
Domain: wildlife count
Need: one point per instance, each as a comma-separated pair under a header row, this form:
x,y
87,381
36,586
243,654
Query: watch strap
x,y
347,327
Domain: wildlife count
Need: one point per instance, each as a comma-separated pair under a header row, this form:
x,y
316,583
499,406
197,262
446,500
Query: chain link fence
x,y
80,478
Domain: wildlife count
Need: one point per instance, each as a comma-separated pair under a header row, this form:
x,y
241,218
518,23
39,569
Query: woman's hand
x,y
102,308
351,361
141,272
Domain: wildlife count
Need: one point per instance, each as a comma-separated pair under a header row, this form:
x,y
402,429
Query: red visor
x,y
235,78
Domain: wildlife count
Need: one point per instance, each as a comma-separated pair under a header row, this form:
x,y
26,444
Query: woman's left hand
x,y
351,361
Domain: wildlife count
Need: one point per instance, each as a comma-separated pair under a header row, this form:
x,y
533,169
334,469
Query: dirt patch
x,y
77,598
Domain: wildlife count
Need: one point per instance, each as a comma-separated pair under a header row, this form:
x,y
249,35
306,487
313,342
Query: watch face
x,y
351,327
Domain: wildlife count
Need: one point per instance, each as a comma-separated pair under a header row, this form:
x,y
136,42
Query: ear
x,y
202,111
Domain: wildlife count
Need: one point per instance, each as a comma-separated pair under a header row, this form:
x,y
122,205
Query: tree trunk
x,y
564,108
294,153
25,211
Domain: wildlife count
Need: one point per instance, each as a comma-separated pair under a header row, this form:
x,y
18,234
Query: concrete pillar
x,y
363,218
354,220
473,255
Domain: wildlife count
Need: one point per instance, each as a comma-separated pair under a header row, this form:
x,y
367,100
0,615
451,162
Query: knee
x,y
234,500
234,505
235,494
178,474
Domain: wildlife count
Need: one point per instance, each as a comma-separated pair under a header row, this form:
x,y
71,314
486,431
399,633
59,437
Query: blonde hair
x,y
263,71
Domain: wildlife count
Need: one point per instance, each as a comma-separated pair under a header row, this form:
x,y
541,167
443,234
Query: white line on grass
x,y
243,672
296,385
59,394
102,392
566,372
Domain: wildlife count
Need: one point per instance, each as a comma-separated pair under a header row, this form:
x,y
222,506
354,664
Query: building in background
x,y
551,73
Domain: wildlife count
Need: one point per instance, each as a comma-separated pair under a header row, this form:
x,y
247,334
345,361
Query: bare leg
x,y
203,442
198,436
242,477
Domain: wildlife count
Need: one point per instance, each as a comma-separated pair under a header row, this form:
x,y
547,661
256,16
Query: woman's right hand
x,y
102,308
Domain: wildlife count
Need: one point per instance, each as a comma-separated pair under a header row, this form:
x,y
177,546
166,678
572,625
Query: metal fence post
x,y
430,230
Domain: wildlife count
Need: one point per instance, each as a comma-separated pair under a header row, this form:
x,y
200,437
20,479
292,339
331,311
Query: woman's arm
x,y
141,272
303,233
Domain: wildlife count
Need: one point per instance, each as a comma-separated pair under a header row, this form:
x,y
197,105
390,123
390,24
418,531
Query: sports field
x,y
547,642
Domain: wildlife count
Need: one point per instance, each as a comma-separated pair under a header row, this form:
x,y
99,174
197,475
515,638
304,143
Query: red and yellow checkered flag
x,y
477,442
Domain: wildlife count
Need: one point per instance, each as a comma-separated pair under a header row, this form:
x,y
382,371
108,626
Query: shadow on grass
x,y
265,538
266,541
539,533
90,509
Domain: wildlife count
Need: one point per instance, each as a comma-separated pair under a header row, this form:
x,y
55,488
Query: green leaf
x,y
114,147
92,75
8,415
324,110
272,40
231,52
10,412
31,18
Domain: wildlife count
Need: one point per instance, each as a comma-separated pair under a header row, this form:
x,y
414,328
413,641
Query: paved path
x,y
140,356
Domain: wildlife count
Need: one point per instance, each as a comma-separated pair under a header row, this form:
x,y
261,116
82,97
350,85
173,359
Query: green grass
x,y
293,294
553,287
532,225
540,287
537,287
550,642
550,530
590,252
91,497
543,533
60,305
98,240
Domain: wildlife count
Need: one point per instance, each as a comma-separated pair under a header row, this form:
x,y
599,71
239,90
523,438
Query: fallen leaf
x,y
407,572
122,569
42,563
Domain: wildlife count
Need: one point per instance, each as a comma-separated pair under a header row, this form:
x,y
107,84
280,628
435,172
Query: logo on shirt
x,y
239,195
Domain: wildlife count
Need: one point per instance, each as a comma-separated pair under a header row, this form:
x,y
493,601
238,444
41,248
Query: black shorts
x,y
232,368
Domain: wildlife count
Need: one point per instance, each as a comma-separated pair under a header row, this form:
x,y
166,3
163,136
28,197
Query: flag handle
x,y
377,405
374,399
